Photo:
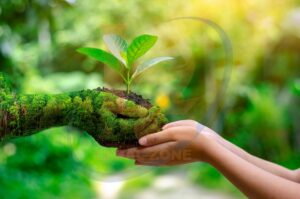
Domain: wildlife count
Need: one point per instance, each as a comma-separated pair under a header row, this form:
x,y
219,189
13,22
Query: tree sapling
x,y
123,57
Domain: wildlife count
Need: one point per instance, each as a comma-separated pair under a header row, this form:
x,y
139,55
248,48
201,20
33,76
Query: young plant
x,y
123,56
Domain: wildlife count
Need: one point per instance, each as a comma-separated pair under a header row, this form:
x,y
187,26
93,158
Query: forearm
x,y
263,164
250,179
22,115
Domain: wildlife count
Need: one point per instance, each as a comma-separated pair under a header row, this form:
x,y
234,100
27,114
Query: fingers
x,y
165,154
176,145
190,123
128,153
171,134
156,138
180,123
163,163
154,154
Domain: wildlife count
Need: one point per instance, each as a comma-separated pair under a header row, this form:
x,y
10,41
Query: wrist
x,y
207,146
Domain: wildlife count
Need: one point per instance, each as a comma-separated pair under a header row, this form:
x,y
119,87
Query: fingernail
x,y
143,141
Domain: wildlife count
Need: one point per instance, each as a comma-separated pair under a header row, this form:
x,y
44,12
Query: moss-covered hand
x,y
111,120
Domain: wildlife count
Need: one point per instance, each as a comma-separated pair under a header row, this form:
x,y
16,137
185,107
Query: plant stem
x,y
127,90
128,82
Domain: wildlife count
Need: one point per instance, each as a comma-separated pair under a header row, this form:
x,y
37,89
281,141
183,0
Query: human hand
x,y
192,123
177,143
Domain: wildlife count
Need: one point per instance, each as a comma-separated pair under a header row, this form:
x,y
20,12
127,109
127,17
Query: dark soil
x,y
138,99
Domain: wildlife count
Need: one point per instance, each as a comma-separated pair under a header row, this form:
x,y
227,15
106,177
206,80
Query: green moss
x,y
4,85
130,104
112,121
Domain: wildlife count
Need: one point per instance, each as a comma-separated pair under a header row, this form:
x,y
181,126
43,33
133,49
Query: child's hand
x,y
192,123
179,143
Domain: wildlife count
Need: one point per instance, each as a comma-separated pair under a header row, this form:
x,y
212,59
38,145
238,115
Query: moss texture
x,y
111,120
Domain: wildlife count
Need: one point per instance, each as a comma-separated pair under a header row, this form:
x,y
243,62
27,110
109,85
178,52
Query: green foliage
x,y
38,167
266,51
144,66
125,55
262,121
296,87
139,46
102,56
4,85
117,46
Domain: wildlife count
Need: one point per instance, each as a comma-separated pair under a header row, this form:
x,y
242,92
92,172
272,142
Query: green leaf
x,y
117,46
139,46
102,56
148,64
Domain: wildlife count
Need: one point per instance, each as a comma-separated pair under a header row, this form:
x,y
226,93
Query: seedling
x,y
122,57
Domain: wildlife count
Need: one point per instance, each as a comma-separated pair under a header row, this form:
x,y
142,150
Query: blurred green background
x,y
259,112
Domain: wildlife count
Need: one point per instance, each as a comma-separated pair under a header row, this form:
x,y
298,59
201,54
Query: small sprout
x,y
122,57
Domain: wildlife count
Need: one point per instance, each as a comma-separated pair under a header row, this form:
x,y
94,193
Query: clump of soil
x,y
138,99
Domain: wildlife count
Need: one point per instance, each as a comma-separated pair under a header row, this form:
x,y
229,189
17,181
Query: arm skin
x,y
256,178
253,181
112,121
293,175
